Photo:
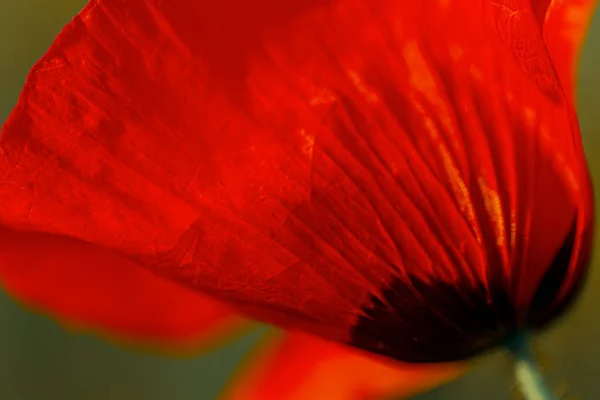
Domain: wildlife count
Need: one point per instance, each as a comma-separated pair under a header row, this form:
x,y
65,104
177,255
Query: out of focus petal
x,y
89,287
300,367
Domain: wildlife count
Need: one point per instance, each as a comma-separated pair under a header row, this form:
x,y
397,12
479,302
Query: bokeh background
x,y
39,360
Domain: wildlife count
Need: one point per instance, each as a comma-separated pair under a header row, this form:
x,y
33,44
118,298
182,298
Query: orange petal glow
x,y
566,24
302,367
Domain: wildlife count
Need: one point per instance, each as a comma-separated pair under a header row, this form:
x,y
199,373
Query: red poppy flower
x,y
402,177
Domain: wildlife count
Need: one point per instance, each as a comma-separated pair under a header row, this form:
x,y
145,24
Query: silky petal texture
x,y
91,288
565,25
307,161
301,367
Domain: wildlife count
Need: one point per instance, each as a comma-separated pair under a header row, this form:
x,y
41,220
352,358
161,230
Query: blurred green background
x,y
41,361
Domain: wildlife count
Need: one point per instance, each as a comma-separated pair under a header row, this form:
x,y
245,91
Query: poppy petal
x,y
373,172
91,288
565,25
301,367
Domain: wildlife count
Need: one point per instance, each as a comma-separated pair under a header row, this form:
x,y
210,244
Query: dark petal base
x,y
434,322
437,322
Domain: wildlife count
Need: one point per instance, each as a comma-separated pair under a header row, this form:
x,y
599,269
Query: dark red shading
x,y
457,322
300,160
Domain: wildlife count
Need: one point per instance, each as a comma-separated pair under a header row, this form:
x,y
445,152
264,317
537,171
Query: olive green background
x,y
41,361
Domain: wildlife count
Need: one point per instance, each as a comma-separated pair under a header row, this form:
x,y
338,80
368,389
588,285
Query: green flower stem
x,y
527,372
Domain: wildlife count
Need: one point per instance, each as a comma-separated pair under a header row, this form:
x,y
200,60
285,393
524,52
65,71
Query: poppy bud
x,y
403,176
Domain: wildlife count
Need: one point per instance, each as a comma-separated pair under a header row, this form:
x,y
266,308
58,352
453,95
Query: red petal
x,y
93,288
301,367
320,164
566,24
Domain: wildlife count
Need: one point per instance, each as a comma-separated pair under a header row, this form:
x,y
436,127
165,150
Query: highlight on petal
x,y
565,26
88,287
296,366
373,172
